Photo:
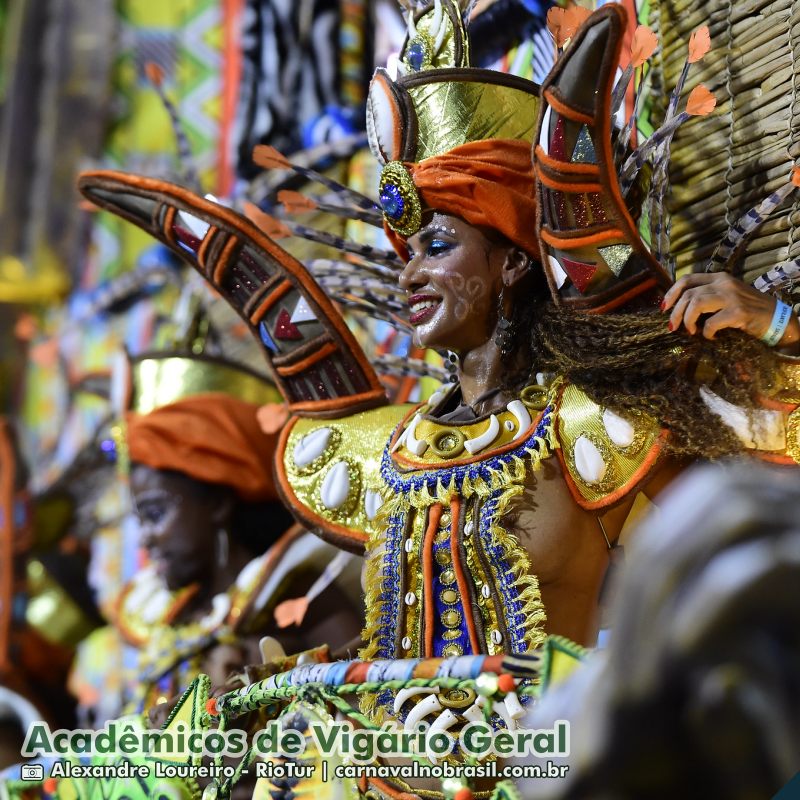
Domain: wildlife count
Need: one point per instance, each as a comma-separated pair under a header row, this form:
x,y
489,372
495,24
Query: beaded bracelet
x,y
779,324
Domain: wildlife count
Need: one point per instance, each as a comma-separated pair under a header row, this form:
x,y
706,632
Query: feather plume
x,y
555,23
701,102
268,157
748,222
155,74
574,17
643,46
296,203
279,229
699,44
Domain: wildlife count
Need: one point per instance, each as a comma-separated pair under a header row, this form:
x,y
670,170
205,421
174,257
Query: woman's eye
x,y
438,246
151,514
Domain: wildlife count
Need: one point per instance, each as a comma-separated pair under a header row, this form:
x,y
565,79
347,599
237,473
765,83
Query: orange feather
x,y
296,203
154,73
555,20
268,157
701,102
643,46
699,44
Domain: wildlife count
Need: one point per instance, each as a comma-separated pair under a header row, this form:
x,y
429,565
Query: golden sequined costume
x,y
427,499
430,500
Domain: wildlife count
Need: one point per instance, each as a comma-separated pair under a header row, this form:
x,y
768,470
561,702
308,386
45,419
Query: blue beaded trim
x,y
389,597
512,605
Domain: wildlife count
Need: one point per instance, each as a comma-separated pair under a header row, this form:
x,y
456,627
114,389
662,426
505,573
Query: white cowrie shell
x,y
311,447
589,461
336,486
619,430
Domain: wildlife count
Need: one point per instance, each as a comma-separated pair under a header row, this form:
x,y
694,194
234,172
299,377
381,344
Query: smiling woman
x,y
491,511
220,549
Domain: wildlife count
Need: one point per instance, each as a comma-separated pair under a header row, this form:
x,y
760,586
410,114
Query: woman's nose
x,y
148,536
410,277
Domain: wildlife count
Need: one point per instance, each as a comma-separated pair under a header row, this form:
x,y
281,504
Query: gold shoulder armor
x,y
329,472
605,455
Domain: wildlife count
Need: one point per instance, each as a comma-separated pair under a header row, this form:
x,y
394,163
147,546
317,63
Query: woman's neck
x,y
489,378
221,580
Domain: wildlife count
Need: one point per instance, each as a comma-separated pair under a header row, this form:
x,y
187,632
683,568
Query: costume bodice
x,y
427,499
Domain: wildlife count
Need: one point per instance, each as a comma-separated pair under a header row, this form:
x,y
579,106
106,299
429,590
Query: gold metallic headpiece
x,y
438,103
158,379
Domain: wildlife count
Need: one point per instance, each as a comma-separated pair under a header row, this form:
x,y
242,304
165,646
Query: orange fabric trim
x,y
461,579
777,405
202,251
577,168
241,227
434,516
276,294
337,403
574,242
618,494
563,109
455,462
169,221
775,458
223,259
571,188
338,534
304,363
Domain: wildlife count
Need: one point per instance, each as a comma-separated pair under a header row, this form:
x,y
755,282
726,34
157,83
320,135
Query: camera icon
x,y
32,772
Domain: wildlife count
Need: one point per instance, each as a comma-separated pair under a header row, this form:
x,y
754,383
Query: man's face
x,y
177,524
453,280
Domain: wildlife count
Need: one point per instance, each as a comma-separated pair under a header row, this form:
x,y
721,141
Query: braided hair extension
x,y
630,361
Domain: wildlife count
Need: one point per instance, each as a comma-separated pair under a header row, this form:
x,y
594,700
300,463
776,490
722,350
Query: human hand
x,y
727,302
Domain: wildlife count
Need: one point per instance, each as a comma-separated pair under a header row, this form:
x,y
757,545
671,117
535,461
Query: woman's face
x,y
178,524
453,280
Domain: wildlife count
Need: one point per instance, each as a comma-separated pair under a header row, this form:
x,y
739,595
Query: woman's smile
x,y
423,307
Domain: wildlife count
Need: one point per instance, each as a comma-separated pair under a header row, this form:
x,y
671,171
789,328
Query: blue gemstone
x,y
415,56
392,201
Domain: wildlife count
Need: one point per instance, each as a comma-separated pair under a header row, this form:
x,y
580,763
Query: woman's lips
x,y
422,307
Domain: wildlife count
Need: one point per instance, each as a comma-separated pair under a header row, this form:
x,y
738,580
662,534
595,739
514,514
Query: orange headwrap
x,y
210,437
488,182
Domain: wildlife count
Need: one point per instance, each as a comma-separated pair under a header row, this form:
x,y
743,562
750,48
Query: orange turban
x,y
210,437
488,182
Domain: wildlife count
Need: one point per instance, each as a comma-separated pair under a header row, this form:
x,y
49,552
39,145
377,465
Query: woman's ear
x,y
223,509
516,266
